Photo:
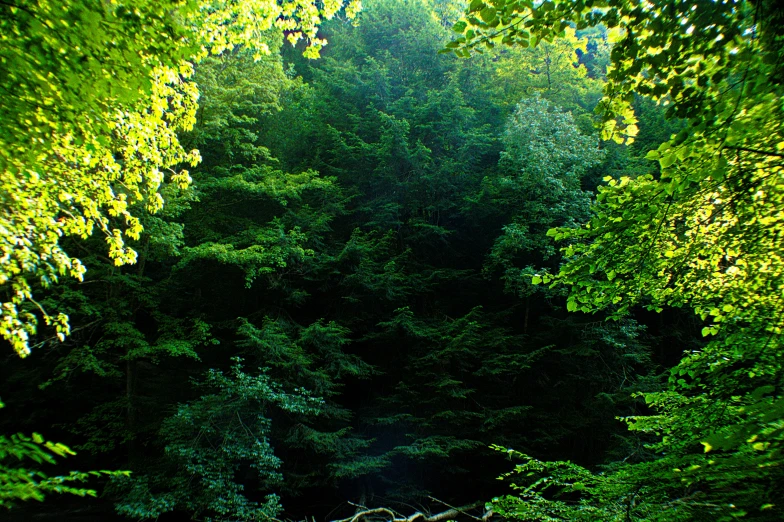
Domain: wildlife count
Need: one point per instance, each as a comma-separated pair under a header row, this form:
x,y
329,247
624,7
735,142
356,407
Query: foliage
x,y
343,234
703,235
23,483
235,419
544,161
562,490
258,228
552,70
95,96
425,221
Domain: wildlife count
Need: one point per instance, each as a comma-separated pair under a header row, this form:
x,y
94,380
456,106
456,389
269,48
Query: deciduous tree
x,y
707,234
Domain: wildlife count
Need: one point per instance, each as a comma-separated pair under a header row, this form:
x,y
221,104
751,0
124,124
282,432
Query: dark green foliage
x,y
215,443
21,478
363,234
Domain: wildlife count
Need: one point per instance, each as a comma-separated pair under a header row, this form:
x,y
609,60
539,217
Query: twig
x,y
460,510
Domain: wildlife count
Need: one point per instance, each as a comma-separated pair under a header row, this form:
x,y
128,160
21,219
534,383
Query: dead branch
x,y
459,510
416,517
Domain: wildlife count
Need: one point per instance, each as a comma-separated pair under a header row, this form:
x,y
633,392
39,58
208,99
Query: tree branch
x,y
416,517
756,151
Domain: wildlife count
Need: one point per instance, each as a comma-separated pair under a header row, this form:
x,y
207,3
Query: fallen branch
x,y
459,510
416,517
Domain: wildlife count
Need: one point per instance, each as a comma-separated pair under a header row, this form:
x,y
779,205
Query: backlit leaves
x,y
95,95
706,234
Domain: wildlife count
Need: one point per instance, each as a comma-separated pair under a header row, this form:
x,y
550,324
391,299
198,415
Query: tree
x,y
242,230
200,480
551,70
94,96
542,166
411,139
706,234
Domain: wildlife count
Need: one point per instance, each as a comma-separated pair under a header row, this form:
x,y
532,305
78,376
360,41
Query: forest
x,y
391,261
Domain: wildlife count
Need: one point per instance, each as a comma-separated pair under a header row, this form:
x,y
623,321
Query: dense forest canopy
x,y
270,260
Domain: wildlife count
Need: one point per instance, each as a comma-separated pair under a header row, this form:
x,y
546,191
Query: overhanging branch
x,y
757,151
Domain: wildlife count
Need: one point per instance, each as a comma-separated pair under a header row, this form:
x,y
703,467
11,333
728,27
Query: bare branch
x,y
418,516
472,506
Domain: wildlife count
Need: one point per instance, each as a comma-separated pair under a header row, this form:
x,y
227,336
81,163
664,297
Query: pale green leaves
x,y
19,482
539,279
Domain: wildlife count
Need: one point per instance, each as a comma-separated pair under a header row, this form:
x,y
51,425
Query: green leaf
x,y
487,14
475,6
667,160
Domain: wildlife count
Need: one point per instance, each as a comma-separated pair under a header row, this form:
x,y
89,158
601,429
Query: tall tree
x,y
541,171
